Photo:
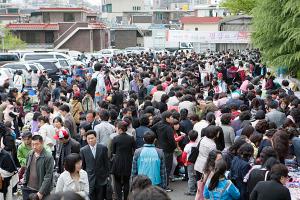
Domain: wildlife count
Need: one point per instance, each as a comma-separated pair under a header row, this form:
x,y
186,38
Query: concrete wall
x,y
125,38
201,27
96,40
59,17
79,42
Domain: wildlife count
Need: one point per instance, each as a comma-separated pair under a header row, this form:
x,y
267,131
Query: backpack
x,y
194,153
290,92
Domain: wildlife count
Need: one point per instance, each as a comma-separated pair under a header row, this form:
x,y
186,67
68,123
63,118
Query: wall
x,y
97,40
125,38
201,27
59,17
242,24
79,42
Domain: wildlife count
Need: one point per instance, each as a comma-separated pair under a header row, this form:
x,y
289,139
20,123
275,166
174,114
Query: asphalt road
x,y
179,187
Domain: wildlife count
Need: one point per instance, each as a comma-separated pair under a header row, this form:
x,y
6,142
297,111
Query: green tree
x,y
11,41
239,6
277,33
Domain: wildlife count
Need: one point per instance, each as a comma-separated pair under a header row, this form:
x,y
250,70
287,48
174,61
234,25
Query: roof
x,y
200,20
64,9
235,17
29,26
97,25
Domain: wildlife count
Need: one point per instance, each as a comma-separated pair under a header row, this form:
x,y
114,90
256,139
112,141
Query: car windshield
x,y
63,63
9,57
15,66
38,56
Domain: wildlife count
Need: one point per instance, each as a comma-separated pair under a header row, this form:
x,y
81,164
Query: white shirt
x,y
199,126
93,149
173,101
157,96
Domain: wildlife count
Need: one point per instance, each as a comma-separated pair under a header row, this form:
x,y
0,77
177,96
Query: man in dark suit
x,y
95,163
90,118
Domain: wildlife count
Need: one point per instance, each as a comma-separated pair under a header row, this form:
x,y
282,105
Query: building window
x,y
46,17
196,29
69,17
32,37
109,8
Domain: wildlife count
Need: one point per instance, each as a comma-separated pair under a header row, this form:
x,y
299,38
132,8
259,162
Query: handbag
x,y
194,153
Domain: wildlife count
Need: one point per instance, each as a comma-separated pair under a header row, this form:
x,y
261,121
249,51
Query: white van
x,y
39,56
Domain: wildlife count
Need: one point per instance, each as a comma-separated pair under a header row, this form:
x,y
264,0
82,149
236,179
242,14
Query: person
x,y
273,189
152,193
77,109
73,178
23,151
8,174
165,139
208,172
18,80
263,173
141,130
192,189
95,162
123,146
149,161
91,118
139,183
206,144
228,131
65,195
66,145
69,120
274,115
218,187
104,129
59,124
100,90
240,166
47,131
39,170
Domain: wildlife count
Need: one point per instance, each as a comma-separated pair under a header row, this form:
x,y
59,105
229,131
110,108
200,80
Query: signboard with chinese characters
x,y
208,36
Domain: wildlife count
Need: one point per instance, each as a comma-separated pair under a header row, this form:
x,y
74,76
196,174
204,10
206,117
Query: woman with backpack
x,y
218,187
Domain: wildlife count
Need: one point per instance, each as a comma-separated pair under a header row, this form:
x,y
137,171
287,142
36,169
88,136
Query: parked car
x,y
46,55
108,53
135,50
51,66
23,65
6,74
8,58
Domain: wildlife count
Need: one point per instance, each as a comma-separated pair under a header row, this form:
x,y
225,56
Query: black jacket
x,y
96,168
165,137
270,190
65,149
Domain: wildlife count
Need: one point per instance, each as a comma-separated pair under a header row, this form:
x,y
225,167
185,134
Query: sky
x,y
95,2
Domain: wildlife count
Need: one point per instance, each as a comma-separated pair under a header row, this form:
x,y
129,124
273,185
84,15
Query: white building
x,y
113,10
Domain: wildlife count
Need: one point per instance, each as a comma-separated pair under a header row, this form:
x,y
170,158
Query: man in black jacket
x,y
66,146
95,161
165,139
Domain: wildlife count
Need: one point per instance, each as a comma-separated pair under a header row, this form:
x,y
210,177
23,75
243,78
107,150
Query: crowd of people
x,y
126,127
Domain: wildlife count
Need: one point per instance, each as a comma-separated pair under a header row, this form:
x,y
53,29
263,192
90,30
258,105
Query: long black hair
x,y
220,169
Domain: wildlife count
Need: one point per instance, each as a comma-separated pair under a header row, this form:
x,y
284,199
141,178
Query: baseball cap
x,y
61,134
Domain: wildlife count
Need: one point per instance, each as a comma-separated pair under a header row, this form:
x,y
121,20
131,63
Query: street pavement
x,y
179,187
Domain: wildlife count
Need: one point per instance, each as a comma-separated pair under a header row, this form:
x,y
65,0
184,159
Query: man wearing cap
x,y
66,145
